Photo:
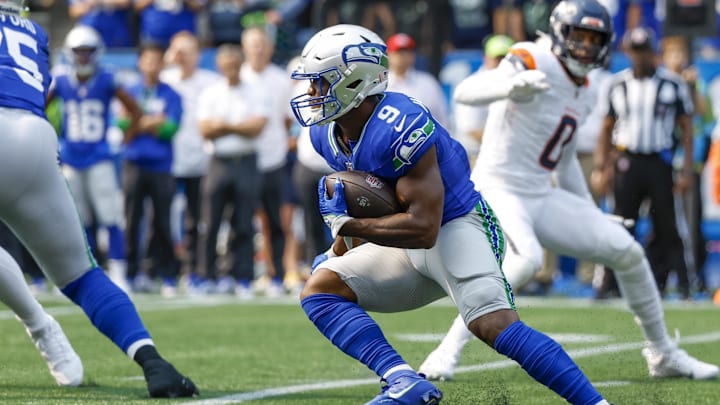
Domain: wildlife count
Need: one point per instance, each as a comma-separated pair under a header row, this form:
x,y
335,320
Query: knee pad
x,y
629,258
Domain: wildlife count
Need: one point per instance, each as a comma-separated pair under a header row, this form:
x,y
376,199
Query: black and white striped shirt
x,y
645,109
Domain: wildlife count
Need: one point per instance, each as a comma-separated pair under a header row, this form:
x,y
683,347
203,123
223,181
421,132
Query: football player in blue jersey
x,y
445,242
36,204
86,91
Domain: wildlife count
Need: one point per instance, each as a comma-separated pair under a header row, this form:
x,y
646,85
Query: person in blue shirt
x,y
146,172
161,19
86,91
446,240
37,206
110,18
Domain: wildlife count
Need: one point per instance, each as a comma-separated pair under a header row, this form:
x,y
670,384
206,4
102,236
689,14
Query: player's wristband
x,y
123,123
337,224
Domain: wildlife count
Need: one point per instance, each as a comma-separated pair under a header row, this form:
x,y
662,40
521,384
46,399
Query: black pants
x,y
271,199
234,184
694,214
139,184
191,217
639,177
317,239
17,250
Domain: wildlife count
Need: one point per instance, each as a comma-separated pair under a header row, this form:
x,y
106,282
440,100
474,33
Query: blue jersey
x,y
147,150
112,23
24,66
395,138
162,19
86,114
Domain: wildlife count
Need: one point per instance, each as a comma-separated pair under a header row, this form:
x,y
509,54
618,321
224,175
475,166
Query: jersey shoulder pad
x,y
530,56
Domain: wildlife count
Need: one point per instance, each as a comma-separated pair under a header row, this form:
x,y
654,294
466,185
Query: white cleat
x,y
677,363
439,365
64,364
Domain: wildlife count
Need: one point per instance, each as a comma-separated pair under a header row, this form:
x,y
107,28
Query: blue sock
x,y
546,361
108,308
116,248
352,330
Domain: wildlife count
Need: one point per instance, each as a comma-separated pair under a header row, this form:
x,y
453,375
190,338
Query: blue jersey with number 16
x,y
86,107
24,66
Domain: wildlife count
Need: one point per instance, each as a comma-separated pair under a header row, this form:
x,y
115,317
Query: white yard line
x,y
156,303
495,365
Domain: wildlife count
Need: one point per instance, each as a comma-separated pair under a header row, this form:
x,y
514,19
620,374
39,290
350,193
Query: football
x,y
366,195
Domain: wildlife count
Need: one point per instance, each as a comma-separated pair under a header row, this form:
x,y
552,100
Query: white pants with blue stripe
x,y
463,265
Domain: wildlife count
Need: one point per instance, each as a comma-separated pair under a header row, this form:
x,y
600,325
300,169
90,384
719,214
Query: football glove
x,y
333,210
322,258
526,84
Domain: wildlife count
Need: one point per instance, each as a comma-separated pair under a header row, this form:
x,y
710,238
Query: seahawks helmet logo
x,y
368,52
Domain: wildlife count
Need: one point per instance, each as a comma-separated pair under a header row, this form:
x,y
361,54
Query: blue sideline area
x,y
458,65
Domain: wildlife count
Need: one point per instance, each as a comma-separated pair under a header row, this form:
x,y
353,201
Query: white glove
x,y
526,84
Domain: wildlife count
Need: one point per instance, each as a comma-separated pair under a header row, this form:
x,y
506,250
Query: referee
x,y
635,149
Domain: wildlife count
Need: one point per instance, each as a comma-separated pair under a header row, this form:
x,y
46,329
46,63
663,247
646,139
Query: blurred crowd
x,y
260,231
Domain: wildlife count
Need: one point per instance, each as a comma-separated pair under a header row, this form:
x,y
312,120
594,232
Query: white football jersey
x,y
524,142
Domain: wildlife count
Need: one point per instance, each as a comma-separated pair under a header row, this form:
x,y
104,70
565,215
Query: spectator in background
x,y
404,78
634,152
295,16
231,115
536,17
645,13
272,147
190,159
110,18
147,174
377,13
224,19
161,19
378,16
86,90
676,58
617,10
473,20
470,120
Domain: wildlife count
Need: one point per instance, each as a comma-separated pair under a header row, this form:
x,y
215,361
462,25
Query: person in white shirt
x,y
190,160
404,78
538,98
273,148
231,114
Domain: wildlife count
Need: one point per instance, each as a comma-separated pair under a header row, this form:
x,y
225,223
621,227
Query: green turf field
x,y
266,352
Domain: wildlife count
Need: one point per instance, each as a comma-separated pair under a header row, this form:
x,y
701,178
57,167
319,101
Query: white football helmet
x,y
12,7
352,60
83,48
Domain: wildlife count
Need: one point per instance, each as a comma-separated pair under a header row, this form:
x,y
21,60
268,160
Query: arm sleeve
x,y
173,114
485,86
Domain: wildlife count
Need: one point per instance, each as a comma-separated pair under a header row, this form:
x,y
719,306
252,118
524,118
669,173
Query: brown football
x,y
366,195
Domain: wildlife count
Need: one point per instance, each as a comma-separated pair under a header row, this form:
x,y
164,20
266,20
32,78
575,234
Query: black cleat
x,y
164,381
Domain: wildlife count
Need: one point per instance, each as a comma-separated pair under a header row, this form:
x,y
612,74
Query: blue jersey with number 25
x,y
24,66
395,138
